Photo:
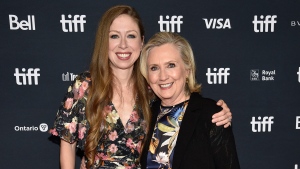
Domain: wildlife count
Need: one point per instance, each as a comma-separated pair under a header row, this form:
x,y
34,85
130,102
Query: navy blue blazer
x,y
200,143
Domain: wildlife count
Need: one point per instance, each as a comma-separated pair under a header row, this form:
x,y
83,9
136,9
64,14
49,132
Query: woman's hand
x,y
82,165
223,117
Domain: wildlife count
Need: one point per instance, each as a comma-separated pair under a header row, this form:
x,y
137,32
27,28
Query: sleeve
x,y
223,146
70,123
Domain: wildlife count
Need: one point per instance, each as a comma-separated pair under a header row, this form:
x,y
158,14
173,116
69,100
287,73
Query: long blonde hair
x,y
101,90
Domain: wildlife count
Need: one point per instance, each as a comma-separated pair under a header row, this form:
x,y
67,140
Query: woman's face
x,y
125,42
167,74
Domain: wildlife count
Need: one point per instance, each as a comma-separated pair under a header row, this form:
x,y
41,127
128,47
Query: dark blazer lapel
x,y
186,131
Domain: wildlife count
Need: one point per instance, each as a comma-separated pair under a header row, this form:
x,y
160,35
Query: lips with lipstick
x,y
123,55
166,86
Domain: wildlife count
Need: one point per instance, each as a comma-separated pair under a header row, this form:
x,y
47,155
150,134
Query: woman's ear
x,y
143,38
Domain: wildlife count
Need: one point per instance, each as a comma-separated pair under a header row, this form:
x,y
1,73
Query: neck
x,y
122,77
169,102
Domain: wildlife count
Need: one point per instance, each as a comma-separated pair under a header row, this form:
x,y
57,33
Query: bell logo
x,y
222,74
23,78
217,23
297,122
175,22
263,25
262,124
28,24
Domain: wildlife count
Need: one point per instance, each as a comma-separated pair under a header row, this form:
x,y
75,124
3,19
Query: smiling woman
x,y
183,116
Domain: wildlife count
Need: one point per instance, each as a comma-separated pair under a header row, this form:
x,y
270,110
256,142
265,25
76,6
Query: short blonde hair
x,y
185,50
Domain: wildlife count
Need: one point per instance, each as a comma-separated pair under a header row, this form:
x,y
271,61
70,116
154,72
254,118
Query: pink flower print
x,y
134,117
129,128
107,109
80,93
53,132
129,143
72,127
103,157
81,132
84,85
113,148
68,103
113,135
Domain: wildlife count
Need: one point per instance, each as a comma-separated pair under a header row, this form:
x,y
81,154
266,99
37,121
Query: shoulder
x,y
204,105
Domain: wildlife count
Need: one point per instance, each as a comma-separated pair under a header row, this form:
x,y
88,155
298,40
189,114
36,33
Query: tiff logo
x,y
263,24
217,23
222,73
69,24
68,76
28,24
298,73
21,78
262,124
175,20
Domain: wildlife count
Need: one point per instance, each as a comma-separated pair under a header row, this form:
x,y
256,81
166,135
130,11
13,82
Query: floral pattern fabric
x,y
162,145
119,147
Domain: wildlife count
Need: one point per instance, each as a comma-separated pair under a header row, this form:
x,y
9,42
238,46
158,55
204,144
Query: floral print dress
x,y
119,147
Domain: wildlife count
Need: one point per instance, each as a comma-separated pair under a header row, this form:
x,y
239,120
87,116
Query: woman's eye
x,y
131,36
114,36
171,65
153,68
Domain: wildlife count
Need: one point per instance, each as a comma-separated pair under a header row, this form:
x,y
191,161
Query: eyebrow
x,y
171,61
126,31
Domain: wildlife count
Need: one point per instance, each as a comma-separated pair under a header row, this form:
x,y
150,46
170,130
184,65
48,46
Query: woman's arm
x,y
67,154
224,116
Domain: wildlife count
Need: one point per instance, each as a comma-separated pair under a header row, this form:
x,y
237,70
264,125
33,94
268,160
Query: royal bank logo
x,y
264,75
68,76
254,75
173,25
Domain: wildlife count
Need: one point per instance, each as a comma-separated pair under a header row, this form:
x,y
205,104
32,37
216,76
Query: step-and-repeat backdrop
x,y
247,53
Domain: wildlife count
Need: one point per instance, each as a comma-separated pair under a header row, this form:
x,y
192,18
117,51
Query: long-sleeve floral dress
x,y
121,145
